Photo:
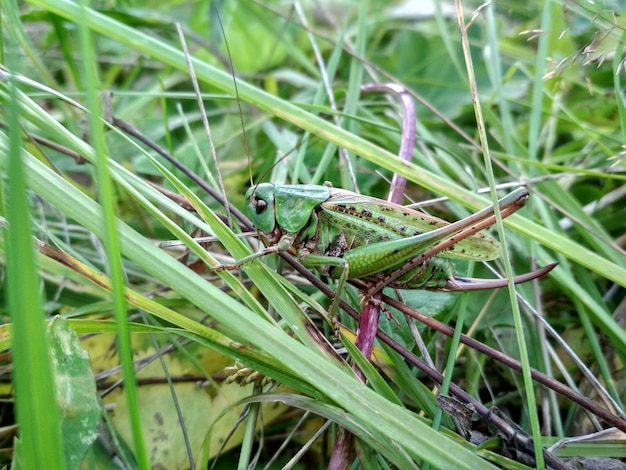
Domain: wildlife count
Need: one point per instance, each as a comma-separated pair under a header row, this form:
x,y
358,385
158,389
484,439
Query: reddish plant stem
x,y
368,320
343,448
398,182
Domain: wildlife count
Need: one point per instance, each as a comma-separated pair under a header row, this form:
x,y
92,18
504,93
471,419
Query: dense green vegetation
x,y
551,116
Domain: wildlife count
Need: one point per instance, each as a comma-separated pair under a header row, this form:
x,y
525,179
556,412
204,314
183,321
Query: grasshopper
x,y
345,236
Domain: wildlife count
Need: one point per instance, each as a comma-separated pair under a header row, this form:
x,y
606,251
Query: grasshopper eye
x,y
260,206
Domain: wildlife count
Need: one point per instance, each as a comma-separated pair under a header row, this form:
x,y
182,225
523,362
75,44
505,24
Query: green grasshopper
x,y
345,236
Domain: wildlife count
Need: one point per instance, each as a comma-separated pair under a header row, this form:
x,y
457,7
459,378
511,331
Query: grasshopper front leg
x,y
283,245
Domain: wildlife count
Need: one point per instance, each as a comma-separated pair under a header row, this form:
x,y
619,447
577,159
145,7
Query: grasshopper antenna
x,y
276,163
232,72
205,120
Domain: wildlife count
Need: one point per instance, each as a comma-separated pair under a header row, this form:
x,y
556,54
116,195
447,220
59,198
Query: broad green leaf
x,y
76,391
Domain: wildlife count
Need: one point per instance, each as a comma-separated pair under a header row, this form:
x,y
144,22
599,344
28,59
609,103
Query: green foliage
x,y
549,79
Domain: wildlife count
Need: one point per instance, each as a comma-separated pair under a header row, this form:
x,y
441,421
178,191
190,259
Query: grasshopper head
x,y
260,202
284,207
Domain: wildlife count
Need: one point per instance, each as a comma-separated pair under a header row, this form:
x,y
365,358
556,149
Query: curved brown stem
x,y
464,284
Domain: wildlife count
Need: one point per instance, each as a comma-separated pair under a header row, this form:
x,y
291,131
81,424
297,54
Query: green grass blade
x,y
111,241
39,419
